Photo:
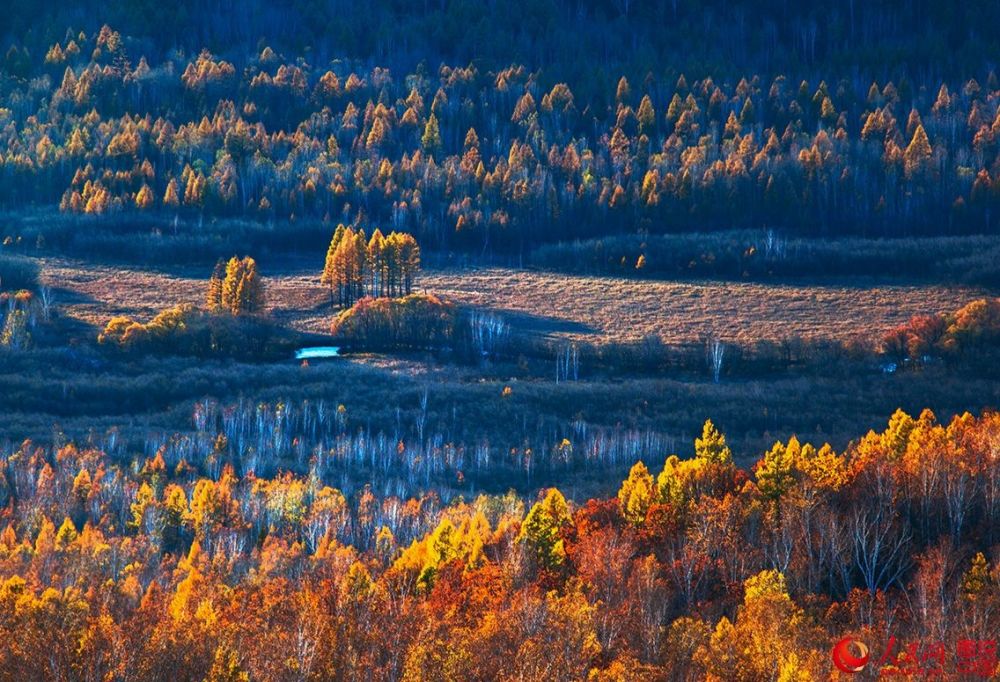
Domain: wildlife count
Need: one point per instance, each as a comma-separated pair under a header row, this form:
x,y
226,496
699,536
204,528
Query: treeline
x,y
770,254
971,333
915,37
493,160
179,569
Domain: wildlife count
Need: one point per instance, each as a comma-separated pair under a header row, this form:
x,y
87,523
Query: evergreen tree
x,y
431,139
712,447
542,531
213,297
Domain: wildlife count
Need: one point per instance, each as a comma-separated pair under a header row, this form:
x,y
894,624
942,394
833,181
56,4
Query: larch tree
x,y
213,295
377,265
918,153
171,197
242,288
623,91
637,493
144,198
646,115
329,276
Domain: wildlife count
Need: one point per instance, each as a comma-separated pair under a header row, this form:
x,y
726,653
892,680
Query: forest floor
x,y
588,308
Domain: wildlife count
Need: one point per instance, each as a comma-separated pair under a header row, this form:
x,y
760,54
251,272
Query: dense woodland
x,y
489,158
170,568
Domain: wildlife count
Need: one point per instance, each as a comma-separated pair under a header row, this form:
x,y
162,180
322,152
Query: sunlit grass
x,y
594,309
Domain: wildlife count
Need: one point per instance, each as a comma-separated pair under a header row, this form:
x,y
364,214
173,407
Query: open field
x,y
594,309
612,309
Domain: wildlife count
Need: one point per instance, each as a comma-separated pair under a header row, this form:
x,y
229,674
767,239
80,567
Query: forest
x,y
174,567
485,160
543,340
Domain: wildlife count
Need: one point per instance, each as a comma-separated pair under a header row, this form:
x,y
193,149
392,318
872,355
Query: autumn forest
x,y
560,340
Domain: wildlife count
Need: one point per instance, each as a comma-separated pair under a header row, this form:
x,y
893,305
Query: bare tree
x,y
489,333
879,545
715,353
774,246
47,299
568,363
422,418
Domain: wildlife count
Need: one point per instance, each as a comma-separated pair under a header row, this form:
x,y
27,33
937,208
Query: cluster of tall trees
x,y
495,160
173,568
236,288
379,267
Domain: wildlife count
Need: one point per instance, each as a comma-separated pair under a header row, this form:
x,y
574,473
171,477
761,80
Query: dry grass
x,y
596,309
603,308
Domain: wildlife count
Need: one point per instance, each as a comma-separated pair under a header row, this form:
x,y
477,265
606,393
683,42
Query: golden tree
x,y
242,288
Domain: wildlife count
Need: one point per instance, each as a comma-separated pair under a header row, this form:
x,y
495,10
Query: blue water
x,y
317,352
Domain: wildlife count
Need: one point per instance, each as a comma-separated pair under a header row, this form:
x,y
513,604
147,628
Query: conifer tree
x,y
170,196
637,493
329,276
712,447
242,289
541,531
213,297
646,115
623,91
917,153
144,198
431,139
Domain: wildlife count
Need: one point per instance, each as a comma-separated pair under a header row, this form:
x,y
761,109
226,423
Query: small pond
x,y
313,352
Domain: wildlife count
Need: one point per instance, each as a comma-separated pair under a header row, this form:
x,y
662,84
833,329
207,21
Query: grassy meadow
x,y
593,309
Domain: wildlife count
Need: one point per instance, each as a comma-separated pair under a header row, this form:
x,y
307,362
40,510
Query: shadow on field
x,y
543,325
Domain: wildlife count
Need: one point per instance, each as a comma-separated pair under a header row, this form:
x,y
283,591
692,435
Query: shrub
x,y
17,272
414,321
971,331
187,330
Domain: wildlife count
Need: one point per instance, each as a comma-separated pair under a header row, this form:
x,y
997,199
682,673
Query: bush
x,y
416,321
970,334
187,330
17,272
